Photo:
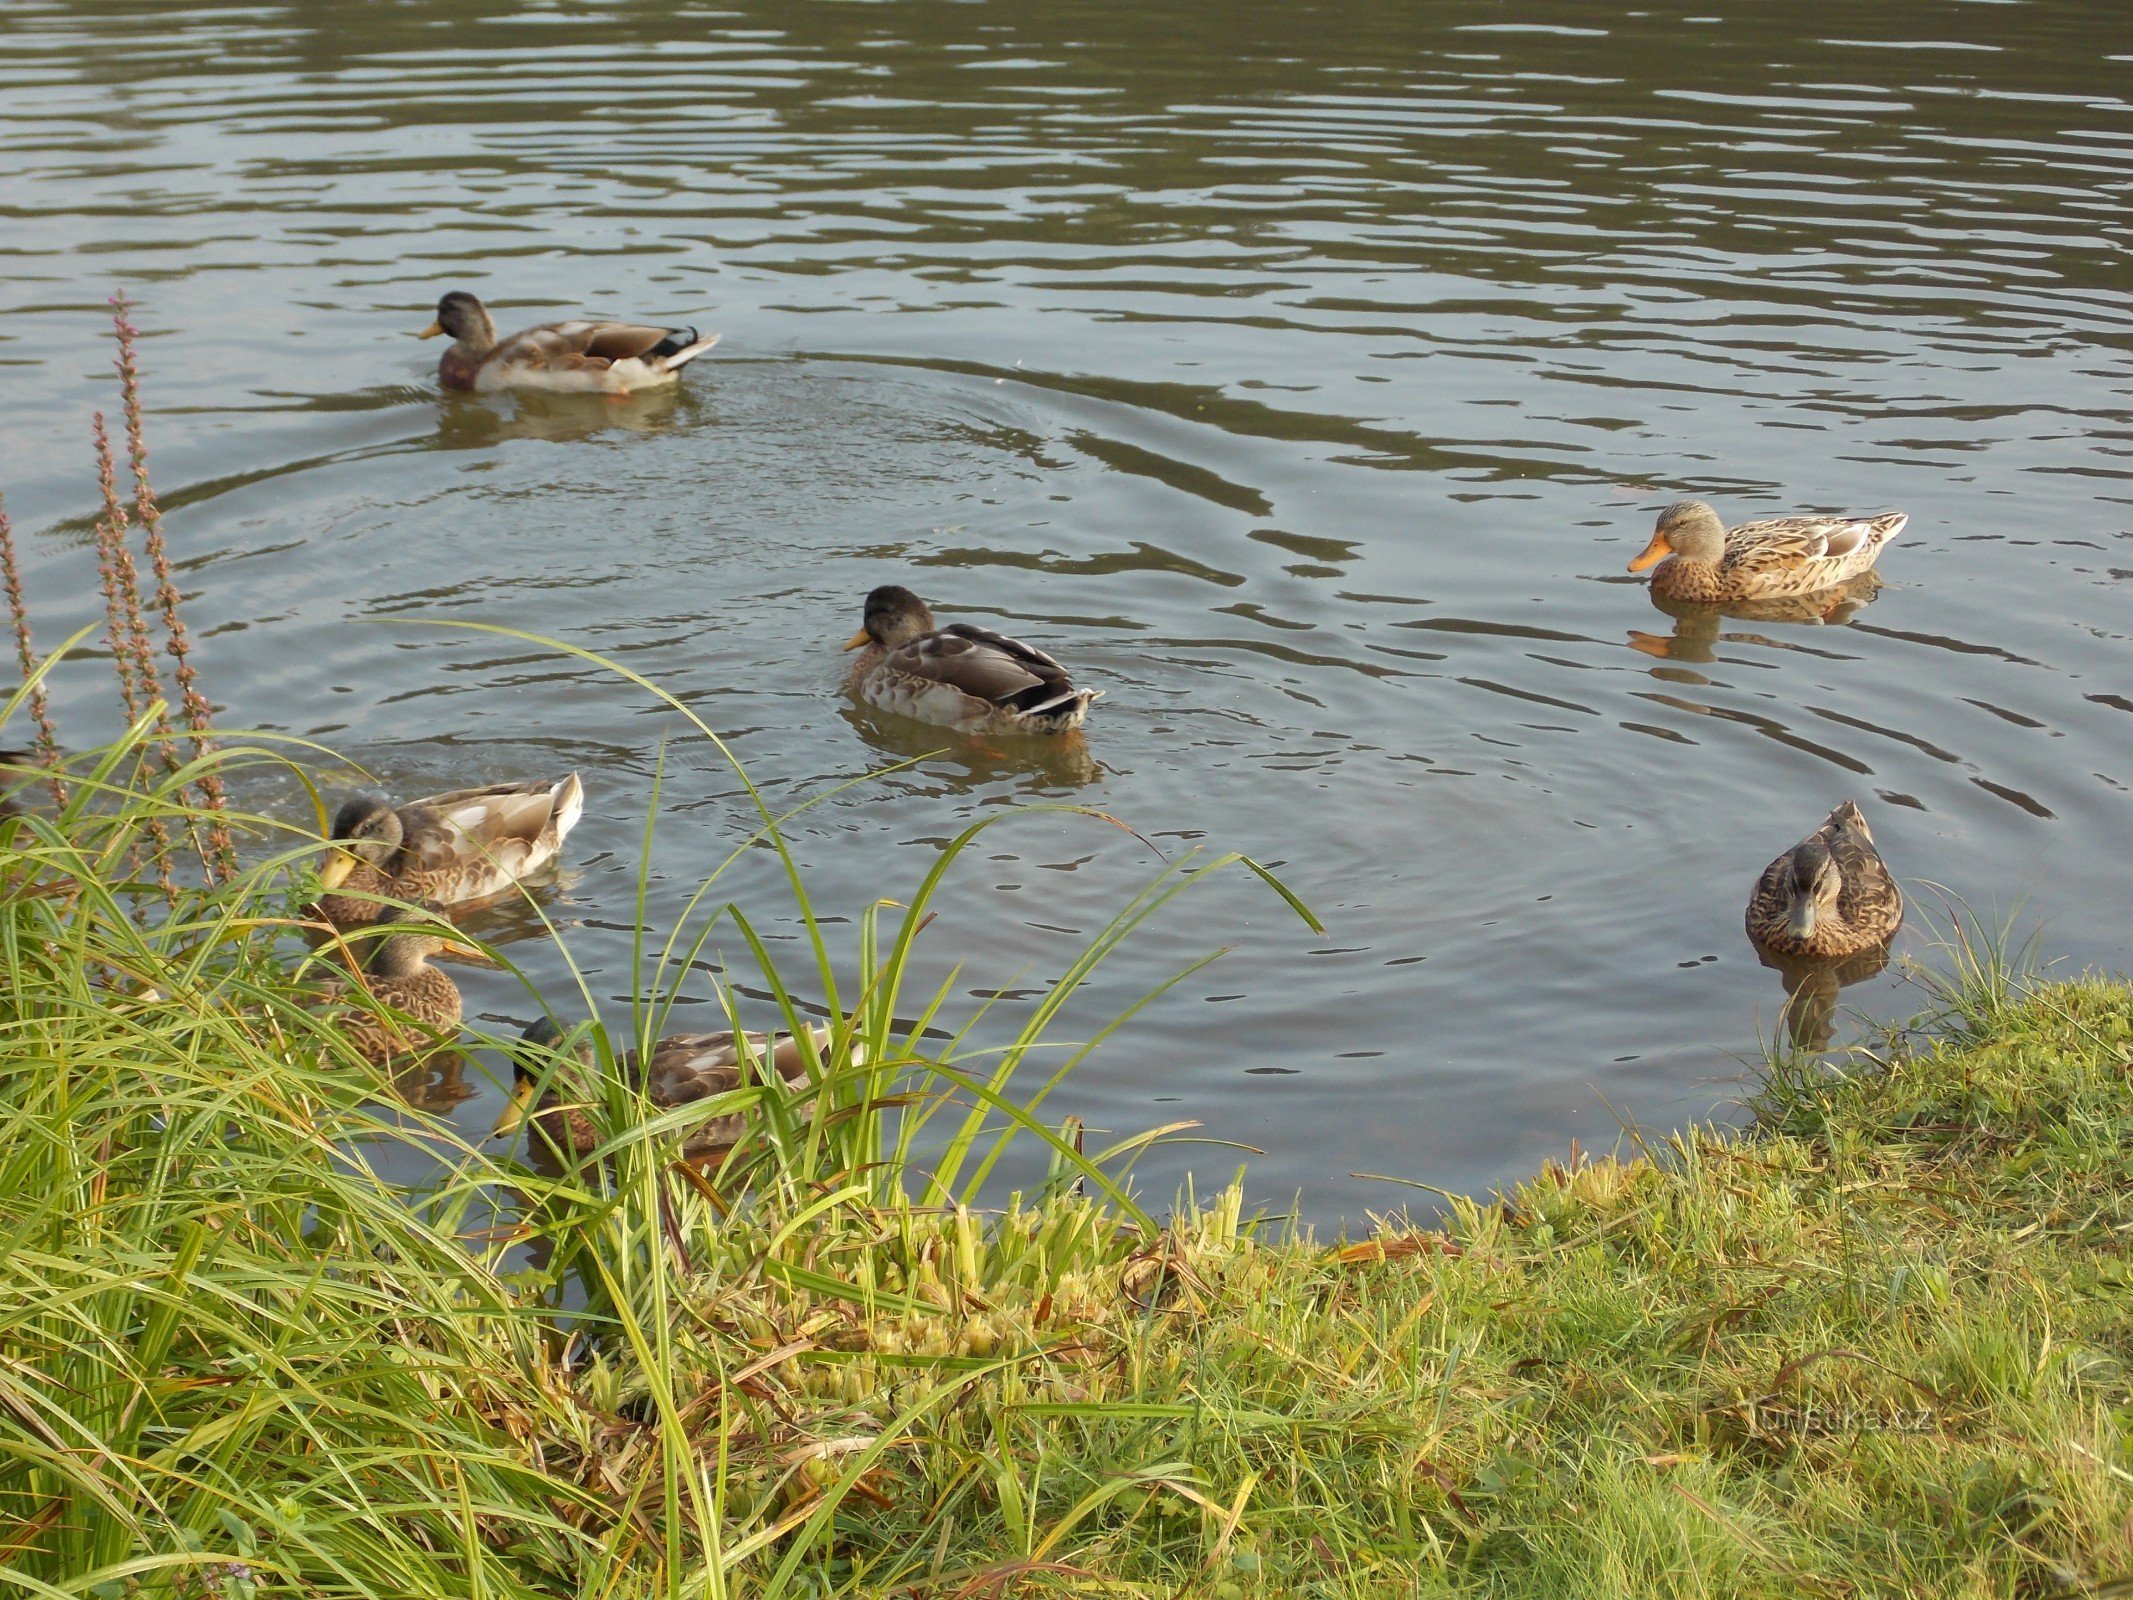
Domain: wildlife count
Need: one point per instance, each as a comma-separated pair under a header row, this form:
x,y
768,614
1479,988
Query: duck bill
x,y
432,331
858,641
461,950
334,870
1654,553
1800,919
513,1116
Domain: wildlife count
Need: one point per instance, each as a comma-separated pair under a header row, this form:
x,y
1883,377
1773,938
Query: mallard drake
x,y
959,676
422,1001
1703,562
447,849
576,357
685,1068
1829,896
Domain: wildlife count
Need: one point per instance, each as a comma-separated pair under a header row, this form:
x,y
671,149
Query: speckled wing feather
x,y
987,666
1840,546
500,833
1868,893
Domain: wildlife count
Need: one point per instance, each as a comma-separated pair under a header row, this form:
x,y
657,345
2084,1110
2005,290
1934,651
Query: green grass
x,y
1878,1346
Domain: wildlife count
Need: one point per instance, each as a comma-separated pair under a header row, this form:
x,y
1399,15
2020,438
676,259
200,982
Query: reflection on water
x,y
1812,988
1313,382
1697,629
1030,764
467,422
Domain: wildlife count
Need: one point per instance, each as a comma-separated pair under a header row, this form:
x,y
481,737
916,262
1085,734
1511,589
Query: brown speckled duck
x,y
1829,896
685,1068
961,677
1703,562
571,357
422,1001
447,849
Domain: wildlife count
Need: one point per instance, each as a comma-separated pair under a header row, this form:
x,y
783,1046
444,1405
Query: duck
x,y
419,1004
571,357
1830,896
684,1068
1703,562
449,850
16,764
961,677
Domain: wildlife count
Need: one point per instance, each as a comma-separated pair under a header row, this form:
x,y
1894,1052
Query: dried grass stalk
x,y
140,687
221,853
26,654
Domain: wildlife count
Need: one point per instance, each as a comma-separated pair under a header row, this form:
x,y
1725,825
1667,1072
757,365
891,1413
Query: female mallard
x,y
449,849
1707,563
418,1004
577,357
685,1068
1830,895
959,676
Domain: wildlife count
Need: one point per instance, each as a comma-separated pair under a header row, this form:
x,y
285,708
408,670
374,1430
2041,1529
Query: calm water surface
x,y
1304,376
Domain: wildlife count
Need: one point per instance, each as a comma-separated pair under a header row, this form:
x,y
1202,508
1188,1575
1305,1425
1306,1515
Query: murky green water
x,y
1304,376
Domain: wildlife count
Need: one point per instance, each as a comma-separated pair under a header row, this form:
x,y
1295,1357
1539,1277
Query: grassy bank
x,y
1878,1347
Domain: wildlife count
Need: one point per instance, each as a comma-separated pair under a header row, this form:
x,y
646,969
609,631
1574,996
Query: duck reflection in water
x,y
435,1082
477,423
1039,761
1697,634
1811,990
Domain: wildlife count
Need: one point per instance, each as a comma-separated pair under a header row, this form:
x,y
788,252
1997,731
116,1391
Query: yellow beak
x,y
858,641
466,952
334,870
1654,553
431,331
515,1109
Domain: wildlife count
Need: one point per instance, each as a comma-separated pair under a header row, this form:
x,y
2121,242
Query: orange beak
x,y
1654,553
431,331
858,641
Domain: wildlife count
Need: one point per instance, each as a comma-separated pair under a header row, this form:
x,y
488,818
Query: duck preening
x,y
959,676
573,357
553,1088
1703,562
1830,895
446,849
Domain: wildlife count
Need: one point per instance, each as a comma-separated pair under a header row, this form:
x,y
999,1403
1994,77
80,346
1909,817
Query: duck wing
x,y
1867,889
589,346
694,1066
987,666
1843,545
510,829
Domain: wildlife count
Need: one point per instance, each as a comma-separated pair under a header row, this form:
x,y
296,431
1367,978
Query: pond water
x,y
1304,376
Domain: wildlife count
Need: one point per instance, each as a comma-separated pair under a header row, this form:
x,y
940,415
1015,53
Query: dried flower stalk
x,y
221,853
140,687
26,654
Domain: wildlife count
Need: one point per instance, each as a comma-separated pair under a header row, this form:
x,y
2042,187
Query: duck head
x,y
466,319
366,832
1811,889
894,616
1687,528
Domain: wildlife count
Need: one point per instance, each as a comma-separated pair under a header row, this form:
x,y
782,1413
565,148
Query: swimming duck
x,y
423,1001
447,849
960,676
685,1068
578,357
1830,895
1707,563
